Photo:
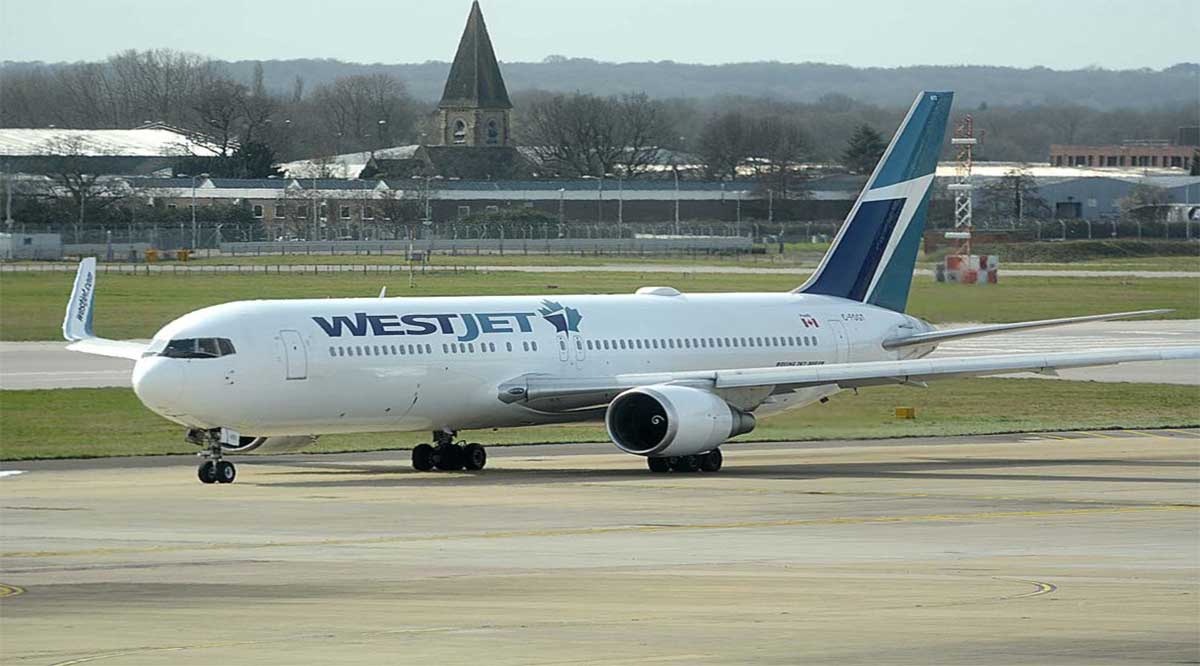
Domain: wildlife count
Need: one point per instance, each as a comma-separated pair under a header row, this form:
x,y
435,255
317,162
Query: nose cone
x,y
158,383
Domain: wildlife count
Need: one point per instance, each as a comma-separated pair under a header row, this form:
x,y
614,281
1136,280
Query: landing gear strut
x,y
707,462
446,455
214,469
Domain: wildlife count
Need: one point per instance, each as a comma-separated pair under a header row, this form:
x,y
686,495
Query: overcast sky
x,y
1060,34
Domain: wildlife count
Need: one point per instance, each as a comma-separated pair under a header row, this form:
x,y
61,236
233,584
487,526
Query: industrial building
x,y
153,149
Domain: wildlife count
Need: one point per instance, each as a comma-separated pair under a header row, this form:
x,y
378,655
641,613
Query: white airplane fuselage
x,y
324,366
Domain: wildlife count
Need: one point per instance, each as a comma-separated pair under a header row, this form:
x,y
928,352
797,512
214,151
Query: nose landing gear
x,y
214,469
444,454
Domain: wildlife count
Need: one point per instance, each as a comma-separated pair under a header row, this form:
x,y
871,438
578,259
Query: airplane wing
x,y
77,323
530,388
934,337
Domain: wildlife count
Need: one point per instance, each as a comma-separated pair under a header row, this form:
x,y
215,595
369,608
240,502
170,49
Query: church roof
x,y
475,80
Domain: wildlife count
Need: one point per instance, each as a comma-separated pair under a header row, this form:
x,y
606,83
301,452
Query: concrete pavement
x,y
1071,548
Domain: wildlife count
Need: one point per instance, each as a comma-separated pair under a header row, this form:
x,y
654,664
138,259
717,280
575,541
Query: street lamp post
x,y
676,171
195,229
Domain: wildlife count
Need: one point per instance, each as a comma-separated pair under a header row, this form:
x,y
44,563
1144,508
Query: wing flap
x,y
934,337
851,375
531,388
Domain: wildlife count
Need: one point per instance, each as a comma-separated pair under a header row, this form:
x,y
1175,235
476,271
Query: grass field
x,y
952,407
135,306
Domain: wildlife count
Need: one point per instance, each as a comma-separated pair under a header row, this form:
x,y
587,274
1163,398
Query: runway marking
x,y
615,529
1190,434
10,472
7,590
1042,588
1086,433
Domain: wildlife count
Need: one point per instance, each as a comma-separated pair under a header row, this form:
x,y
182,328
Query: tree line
x,y
255,122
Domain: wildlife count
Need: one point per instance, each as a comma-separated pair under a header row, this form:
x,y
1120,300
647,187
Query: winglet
x,y
77,324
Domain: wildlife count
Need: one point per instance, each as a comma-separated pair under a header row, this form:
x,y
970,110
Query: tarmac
x,y
1064,548
39,365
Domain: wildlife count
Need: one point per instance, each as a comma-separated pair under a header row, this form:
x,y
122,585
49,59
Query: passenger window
x,y
471,347
508,346
525,345
533,345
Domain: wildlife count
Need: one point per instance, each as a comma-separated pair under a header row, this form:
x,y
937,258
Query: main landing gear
x,y
704,462
444,454
214,469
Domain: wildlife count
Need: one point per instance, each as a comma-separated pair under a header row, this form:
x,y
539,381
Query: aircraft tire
x,y
687,464
447,457
225,472
422,457
659,465
474,457
207,472
711,461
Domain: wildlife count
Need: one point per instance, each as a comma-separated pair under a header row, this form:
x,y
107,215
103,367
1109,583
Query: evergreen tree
x,y
863,150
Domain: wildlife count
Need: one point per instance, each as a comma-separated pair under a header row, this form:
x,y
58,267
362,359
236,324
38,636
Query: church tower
x,y
475,109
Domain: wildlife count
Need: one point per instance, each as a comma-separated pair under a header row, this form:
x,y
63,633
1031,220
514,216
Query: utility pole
x,y
675,169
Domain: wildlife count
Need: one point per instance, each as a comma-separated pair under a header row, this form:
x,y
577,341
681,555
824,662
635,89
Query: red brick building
x,y
1128,154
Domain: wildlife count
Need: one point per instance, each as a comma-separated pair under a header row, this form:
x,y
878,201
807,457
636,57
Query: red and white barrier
x,y
970,269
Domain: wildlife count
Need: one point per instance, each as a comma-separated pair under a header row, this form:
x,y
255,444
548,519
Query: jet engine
x,y
271,444
671,420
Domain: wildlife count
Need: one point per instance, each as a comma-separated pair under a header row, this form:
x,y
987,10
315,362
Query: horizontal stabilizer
x,y
934,337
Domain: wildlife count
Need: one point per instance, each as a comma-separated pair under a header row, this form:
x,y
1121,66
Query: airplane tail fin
x,y
872,257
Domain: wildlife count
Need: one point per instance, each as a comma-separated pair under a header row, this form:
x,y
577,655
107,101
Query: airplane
x,y
672,375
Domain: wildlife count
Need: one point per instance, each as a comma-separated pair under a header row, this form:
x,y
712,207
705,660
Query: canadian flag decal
x,y
810,322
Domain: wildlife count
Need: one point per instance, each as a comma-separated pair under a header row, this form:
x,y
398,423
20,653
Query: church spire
x,y
475,81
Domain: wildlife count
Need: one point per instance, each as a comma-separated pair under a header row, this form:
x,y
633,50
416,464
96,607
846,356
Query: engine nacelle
x,y
668,420
271,444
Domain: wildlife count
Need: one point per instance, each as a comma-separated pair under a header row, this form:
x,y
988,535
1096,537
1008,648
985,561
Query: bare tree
x,y
725,143
584,134
219,107
1013,196
1145,203
779,144
365,112
70,171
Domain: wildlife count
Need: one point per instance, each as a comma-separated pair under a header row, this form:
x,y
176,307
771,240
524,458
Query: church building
x,y
475,132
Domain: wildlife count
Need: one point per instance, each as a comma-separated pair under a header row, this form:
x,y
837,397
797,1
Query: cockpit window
x,y
198,348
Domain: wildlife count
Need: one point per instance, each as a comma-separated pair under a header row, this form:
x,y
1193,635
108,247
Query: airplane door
x,y
294,354
840,339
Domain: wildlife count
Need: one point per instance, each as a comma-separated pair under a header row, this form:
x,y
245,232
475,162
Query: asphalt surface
x,y
1064,548
32,365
